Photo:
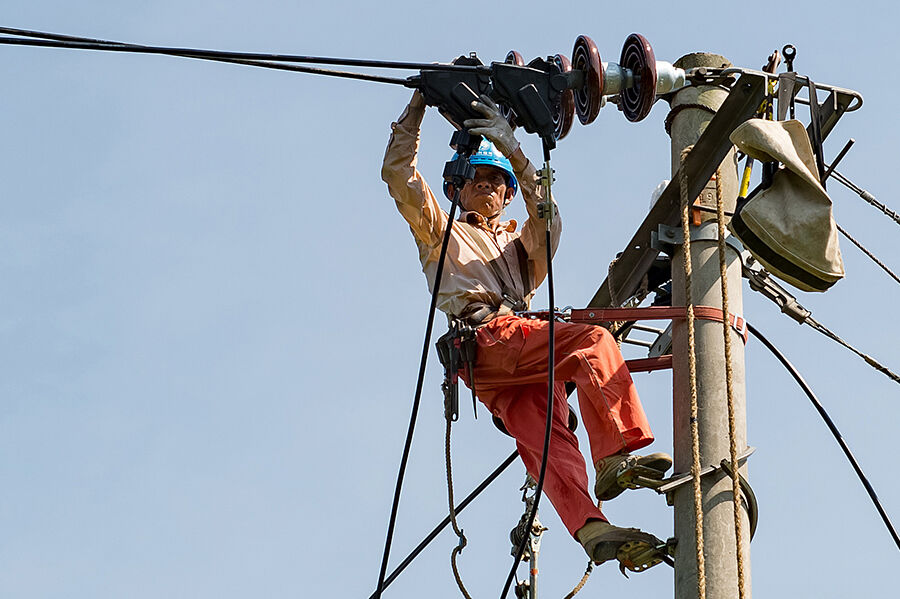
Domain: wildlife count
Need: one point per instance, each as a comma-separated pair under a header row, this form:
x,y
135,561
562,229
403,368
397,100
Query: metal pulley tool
x,y
453,92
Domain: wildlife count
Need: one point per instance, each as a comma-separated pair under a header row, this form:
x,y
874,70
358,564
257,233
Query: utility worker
x,y
493,269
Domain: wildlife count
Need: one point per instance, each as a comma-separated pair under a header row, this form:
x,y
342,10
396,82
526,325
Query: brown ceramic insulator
x,y
586,58
638,57
565,115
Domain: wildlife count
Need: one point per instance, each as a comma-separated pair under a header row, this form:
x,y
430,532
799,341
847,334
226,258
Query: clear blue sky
x,y
211,312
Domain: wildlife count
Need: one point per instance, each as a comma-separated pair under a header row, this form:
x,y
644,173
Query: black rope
x,y
834,430
446,521
550,403
418,396
86,43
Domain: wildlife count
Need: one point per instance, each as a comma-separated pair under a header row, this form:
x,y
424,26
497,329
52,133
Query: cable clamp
x,y
761,281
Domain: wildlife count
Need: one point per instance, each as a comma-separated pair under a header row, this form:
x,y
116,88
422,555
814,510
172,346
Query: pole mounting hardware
x,y
666,238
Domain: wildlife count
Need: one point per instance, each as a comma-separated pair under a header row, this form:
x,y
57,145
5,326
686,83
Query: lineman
x,y
491,270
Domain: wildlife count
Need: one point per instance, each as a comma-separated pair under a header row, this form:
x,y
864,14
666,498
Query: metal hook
x,y
789,52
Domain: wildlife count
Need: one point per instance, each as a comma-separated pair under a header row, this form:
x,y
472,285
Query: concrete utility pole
x,y
718,522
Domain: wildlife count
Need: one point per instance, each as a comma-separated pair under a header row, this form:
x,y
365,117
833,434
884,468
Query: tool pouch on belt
x,y
788,226
456,348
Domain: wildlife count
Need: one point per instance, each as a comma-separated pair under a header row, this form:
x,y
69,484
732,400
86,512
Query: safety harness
x,y
512,300
457,347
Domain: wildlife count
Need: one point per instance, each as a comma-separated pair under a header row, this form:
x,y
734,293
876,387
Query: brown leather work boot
x,y
607,487
634,548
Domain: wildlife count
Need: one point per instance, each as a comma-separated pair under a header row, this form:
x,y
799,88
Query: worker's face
x,y
487,193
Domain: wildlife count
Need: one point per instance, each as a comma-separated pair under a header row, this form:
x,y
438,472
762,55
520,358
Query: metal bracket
x,y
666,486
666,238
676,480
663,343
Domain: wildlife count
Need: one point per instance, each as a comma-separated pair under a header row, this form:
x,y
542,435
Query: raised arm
x,y
413,196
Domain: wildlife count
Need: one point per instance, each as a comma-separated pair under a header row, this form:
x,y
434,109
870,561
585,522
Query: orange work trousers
x,y
511,380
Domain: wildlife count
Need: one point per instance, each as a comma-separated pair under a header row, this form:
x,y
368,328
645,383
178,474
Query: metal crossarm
x,y
709,151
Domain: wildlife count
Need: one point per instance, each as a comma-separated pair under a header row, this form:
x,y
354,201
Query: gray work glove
x,y
493,126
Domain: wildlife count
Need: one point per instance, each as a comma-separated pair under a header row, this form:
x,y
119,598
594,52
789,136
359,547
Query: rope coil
x,y
459,533
581,583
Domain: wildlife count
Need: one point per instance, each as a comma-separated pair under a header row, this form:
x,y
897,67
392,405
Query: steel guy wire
x,y
869,360
872,256
865,195
789,305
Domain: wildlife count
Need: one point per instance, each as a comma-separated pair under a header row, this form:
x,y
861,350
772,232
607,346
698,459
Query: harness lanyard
x,y
545,211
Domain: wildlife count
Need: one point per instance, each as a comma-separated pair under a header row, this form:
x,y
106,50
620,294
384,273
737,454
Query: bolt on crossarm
x,y
692,109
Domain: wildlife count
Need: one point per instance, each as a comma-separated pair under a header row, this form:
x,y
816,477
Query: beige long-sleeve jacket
x,y
469,282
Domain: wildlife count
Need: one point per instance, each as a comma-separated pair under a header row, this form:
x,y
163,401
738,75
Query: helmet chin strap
x,y
499,212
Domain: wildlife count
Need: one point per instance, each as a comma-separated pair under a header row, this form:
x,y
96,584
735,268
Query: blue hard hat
x,y
489,155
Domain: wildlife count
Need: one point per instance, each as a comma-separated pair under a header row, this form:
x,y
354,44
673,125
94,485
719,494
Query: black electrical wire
x,y
446,521
204,55
834,430
85,43
418,395
550,403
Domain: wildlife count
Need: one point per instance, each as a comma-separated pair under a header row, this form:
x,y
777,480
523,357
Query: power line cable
x,y
56,40
446,521
832,427
418,395
549,209
233,58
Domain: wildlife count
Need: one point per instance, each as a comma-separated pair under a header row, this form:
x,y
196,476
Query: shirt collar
x,y
475,219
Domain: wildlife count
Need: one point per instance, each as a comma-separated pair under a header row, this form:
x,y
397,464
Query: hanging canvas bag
x,y
789,227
